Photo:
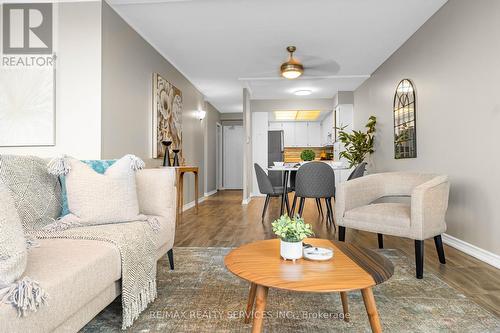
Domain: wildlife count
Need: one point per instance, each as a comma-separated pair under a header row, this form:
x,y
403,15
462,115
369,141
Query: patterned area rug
x,y
202,296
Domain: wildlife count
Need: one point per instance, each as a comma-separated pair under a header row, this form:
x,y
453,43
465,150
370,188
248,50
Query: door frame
x,y
224,127
219,145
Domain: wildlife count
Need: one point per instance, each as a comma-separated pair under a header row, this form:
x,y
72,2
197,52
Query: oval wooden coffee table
x,y
351,268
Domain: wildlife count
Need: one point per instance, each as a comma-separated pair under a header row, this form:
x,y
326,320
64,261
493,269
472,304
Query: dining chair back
x,y
316,180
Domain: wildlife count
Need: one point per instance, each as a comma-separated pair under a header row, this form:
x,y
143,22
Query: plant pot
x,y
290,250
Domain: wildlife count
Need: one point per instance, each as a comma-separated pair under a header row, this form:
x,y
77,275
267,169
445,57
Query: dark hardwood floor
x,y
222,221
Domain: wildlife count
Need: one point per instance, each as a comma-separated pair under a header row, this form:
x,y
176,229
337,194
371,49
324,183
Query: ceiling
x,y
222,46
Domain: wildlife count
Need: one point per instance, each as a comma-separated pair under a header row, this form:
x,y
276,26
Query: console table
x,y
181,170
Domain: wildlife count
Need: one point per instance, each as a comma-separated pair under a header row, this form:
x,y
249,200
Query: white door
x,y
314,134
289,134
233,157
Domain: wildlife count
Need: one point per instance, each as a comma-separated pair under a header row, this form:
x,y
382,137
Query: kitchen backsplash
x,y
292,154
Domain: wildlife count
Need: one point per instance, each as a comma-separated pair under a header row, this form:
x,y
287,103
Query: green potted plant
x,y
358,144
307,155
291,232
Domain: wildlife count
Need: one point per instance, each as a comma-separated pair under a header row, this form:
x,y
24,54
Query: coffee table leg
x,y
251,301
345,306
260,306
371,310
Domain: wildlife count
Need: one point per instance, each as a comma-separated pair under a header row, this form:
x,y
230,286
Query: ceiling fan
x,y
312,67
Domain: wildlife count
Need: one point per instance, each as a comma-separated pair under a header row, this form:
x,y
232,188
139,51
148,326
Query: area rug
x,y
202,296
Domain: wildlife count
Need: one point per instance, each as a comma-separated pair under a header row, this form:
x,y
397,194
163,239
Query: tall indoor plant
x,y
291,232
358,144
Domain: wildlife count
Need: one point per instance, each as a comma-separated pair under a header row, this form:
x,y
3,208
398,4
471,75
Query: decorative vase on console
x,y
166,157
176,156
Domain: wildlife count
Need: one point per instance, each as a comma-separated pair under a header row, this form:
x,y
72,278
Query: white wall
x,y
78,83
453,59
259,145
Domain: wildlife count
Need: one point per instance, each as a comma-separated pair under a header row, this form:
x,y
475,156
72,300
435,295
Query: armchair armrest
x,y
156,191
356,193
429,202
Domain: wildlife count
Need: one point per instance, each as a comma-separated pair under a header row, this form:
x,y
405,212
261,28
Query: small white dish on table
x,y
318,253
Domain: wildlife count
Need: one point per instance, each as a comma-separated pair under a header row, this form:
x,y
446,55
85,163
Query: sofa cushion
x,y
36,193
386,215
72,272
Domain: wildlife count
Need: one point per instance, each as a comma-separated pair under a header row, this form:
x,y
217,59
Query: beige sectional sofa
x,y
82,277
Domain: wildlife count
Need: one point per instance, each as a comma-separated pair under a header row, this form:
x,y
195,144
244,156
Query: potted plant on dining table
x,y
291,231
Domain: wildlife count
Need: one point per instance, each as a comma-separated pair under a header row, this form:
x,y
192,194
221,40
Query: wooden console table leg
x,y
251,301
196,191
260,306
345,306
371,310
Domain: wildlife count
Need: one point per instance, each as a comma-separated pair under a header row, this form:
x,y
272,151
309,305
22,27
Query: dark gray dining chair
x,y
359,171
316,180
267,188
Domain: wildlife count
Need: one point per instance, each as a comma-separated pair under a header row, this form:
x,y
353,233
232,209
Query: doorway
x,y
233,157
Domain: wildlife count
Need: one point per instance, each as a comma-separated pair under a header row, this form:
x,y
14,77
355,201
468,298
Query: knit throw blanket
x,y
136,242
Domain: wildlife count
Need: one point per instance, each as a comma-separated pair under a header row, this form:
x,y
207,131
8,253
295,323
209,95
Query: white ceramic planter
x,y
290,250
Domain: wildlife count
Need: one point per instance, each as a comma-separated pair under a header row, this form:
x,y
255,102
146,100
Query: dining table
x,y
294,167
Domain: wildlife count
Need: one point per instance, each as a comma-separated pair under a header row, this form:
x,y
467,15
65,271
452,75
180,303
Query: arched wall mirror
x,y
405,132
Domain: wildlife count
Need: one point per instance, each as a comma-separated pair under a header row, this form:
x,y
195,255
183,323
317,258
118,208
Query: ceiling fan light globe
x,y
291,71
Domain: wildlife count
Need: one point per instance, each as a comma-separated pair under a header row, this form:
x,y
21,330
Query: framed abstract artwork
x,y
27,107
167,116
404,110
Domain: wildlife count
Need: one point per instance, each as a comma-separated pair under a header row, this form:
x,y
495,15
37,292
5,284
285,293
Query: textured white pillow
x,y
95,198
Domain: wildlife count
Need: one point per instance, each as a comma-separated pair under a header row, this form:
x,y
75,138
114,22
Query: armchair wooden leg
x,y
287,205
301,206
380,241
341,233
440,250
268,197
419,258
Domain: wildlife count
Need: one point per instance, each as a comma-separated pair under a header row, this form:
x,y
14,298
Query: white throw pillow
x,y
95,198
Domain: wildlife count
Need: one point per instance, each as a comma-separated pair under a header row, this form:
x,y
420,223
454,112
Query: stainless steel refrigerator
x,y
275,153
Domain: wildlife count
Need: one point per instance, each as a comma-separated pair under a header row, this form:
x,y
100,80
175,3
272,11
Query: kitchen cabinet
x,y
289,134
275,126
301,134
313,134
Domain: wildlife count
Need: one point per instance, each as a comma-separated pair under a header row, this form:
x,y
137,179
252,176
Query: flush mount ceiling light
x,y
303,115
291,69
302,92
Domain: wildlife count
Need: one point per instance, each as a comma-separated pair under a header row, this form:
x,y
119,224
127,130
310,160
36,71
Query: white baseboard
x,y
258,195
191,204
472,250
246,201
207,194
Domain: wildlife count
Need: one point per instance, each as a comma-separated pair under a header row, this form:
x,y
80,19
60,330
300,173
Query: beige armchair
x,y
422,218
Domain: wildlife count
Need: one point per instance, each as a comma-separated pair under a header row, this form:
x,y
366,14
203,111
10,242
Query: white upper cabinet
x,y
301,138
275,126
289,134
313,134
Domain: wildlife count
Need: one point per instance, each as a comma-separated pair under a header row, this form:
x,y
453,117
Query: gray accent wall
x,y
128,64
211,120
453,60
